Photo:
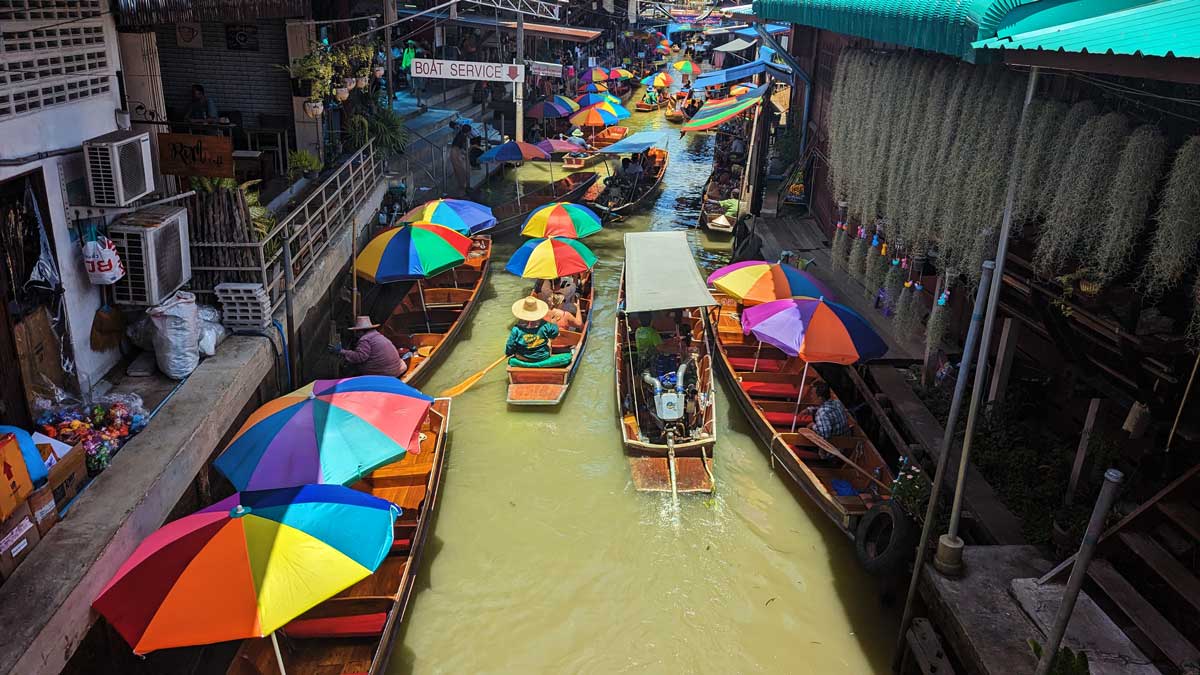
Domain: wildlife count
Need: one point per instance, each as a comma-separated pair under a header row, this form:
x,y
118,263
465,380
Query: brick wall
x,y
246,81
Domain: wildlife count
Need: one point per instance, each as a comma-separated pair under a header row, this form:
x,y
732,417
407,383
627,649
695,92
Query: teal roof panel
x,y
1161,28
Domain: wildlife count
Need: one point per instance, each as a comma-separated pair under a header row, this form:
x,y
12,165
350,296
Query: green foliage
x,y
935,329
1079,209
1060,155
855,263
300,161
1065,662
893,284
839,249
388,131
1035,148
911,489
1128,203
874,268
202,184
907,318
358,129
1174,250
317,66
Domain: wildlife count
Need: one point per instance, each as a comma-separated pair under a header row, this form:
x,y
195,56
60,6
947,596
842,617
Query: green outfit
x,y
730,206
531,346
406,60
647,340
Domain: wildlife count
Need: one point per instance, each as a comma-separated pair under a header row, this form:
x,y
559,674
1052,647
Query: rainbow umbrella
x,y
329,431
687,67
550,258
246,566
460,215
415,251
738,90
716,113
554,145
756,281
513,151
662,50
561,219
564,102
593,116
547,110
658,80
814,330
594,75
609,98
664,43
620,74
586,100
593,88
619,111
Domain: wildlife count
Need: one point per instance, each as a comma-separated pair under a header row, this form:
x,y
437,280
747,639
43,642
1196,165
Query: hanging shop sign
x,y
468,70
188,34
545,69
195,155
241,37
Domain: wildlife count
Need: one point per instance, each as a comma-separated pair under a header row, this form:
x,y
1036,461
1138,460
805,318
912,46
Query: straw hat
x,y
577,132
530,309
363,323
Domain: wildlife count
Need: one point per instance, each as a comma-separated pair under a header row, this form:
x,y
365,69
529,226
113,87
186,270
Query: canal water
x,y
544,559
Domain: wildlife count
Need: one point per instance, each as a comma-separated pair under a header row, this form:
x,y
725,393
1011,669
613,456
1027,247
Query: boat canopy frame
x,y
661,273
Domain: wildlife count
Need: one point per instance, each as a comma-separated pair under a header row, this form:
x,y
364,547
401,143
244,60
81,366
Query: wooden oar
x,y
819,441
462,387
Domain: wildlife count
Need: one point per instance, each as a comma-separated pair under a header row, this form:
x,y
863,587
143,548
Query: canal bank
x,y
543,557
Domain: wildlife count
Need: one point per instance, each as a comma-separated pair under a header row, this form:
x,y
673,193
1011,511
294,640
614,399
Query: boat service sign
x,y
468,70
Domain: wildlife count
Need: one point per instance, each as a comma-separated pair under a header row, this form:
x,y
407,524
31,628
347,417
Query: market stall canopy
x,y
735,45
639,142
756,67
750,33
661,274
1170,28
716,113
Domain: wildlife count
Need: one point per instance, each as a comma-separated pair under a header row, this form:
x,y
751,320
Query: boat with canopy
x,y
666,404
618,193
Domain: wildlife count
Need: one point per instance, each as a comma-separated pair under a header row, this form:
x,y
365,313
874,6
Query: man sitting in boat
x,y
636,167
530,342
576,138
830,418
374,354
651,97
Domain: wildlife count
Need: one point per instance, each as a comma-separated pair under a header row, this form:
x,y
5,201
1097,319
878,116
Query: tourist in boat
x,y
561,317
569,287
636,169
529,341
830,418
374,354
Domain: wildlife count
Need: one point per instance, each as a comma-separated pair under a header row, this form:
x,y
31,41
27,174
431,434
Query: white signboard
x,y
468,70
545,68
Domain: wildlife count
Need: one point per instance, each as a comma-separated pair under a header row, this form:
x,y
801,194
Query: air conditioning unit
x,y
153,244
120,170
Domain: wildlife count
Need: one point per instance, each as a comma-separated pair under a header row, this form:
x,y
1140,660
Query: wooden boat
x,y
766,384
665,454
615,200
355,632
642,106
673,115
609,136
429,315
575,163
510,215
548,386
716,221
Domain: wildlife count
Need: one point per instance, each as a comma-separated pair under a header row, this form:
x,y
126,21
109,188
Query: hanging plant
x,y
926,144
841,120
1128,205
840,247
893,284
907,317
1076,117
900,184
879,126
1174,250
939,321
1078,211
1193,329
937,176
1035,151
866,138
858,251
874,267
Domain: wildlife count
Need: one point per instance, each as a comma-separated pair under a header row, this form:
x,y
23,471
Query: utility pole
x,y
519,87
389,17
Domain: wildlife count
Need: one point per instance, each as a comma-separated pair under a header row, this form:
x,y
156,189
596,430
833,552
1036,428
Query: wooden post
x,y
1010,334
1081,452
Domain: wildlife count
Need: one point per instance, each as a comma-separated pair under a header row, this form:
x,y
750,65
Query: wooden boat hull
x,y
609,136
673,116
650,461
813,477
511,215
548,386
642,106
311,644
663,159
575,163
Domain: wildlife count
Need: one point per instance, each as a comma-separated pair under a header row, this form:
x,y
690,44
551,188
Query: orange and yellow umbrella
x,y
593,116
620,74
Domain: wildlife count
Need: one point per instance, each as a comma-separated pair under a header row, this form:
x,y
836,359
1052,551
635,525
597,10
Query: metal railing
x,y
308,228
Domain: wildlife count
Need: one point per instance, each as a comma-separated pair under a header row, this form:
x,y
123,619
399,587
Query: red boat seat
x,y
360,625
765,365
784,419
786,390
400,546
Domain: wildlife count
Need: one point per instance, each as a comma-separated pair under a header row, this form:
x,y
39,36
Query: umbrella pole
x,y
799,395
756,353
278,654
421,295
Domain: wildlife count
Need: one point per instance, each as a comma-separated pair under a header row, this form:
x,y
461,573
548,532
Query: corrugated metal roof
x,y
946,26
1162,28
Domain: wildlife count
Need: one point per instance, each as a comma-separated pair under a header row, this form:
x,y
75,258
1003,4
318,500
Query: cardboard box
x,y
39,354
15,485
18,536
67,476
44,508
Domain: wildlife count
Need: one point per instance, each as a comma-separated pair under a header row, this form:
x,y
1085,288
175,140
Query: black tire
x,y
884,539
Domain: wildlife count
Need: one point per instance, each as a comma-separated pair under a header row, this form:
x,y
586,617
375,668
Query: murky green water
x,y
545,560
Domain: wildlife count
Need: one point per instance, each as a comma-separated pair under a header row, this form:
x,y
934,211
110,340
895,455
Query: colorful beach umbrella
x,y
561,219
687,67
415,251
555,145
460,215
659,80
620,74
756,281
546,110
564,102
593,88
586,100
619,111
662,50
592,116
664,43
550,258
514,151
596,74
329,431
246,566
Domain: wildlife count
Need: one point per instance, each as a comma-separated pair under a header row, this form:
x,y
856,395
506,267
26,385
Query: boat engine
x,y
673,407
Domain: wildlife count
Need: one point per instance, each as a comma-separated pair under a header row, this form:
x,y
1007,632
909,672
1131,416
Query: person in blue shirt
x,y
202,107
530,340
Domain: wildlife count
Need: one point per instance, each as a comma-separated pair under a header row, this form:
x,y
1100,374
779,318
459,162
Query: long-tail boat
x,y
511,215
667,419
548,386
614,197
355,632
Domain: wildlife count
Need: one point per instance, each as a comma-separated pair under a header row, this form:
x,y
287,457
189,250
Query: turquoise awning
x,y
1163,28
945,26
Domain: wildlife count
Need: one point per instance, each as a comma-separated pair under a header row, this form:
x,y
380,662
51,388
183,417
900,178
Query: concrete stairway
x,y
428,120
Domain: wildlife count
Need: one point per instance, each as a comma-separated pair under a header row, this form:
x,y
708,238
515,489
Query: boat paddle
x,y
462,387
829,448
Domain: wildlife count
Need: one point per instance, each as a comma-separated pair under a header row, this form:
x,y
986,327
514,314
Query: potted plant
x,y
314,108
303,163
341,93
364,77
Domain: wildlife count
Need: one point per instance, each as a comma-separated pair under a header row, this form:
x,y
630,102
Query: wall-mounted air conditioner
x,y
153,244
120,170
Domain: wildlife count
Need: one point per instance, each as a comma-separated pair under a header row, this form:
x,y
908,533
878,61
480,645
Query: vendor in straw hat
x,y
374,354
529,340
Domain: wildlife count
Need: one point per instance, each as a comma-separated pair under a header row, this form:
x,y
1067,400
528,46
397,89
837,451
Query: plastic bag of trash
x,y
176,335
211,335
141,334
210,314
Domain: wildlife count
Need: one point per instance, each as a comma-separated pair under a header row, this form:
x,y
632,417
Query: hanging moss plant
x,y
1078,211
842,117
839,249
1035,150
939,321
928,146
901,185
864,97
1128,205
1174,250
893,283
857,258
1193,329
1076,117
873,272
906,316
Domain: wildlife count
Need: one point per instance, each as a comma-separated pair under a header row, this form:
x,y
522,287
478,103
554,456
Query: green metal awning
x,y
1162,28
946,26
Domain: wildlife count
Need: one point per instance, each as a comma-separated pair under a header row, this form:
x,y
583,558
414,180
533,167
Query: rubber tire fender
x,y
897,550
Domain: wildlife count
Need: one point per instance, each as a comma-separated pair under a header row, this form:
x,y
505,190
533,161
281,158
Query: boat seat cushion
x,y
359,625
784,419
401,546
788,390
554,361
746,363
